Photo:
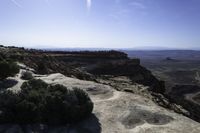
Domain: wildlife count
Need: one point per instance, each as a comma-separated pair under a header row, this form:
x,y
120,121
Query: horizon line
x,y
105,48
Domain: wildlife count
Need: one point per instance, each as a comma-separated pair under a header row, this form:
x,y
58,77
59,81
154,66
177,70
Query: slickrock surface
x,y
114,112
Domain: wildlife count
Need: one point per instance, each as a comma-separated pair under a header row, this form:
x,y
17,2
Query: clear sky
x,y
100,23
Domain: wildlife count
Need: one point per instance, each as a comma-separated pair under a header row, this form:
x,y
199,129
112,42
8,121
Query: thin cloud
x,y
89,4
16,3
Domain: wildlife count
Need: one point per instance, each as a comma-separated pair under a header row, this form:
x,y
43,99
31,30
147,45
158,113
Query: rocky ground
x,y
187,96
127,97
114,112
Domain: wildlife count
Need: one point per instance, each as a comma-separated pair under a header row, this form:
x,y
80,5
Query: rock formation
x,y
114,112
125,94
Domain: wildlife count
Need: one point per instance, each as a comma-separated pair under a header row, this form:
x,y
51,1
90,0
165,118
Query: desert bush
x,y
42,68
39,102
26,75
8,68
1,57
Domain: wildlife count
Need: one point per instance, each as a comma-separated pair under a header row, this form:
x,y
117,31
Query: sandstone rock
x,y
114,112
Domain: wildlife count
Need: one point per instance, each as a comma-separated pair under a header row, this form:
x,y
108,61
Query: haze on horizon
x,y
100,23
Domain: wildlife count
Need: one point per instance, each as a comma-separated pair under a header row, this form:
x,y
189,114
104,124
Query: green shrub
x,y
26,75
1,57
39,102
42,68
8,68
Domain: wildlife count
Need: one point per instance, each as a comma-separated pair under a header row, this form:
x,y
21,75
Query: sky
x,y
100,23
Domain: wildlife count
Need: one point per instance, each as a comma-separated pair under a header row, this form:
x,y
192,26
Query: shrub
x,y
1,57
26,75
8,68
39,102
42,68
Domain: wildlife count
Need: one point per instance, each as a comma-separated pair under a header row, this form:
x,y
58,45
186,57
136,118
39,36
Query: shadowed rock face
x,y
130,68
187,96
137,117
197,98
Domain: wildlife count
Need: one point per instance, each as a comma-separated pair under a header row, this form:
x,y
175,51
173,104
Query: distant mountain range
x,y
128,49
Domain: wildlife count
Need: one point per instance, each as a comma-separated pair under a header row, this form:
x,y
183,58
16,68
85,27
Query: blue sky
x,y
100,23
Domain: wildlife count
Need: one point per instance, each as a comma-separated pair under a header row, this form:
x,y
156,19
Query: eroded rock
x,y
136,117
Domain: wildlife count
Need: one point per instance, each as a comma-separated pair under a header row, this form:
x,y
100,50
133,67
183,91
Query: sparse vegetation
x,y
39,102
69,63
8,68
26,75
42,68
111,54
